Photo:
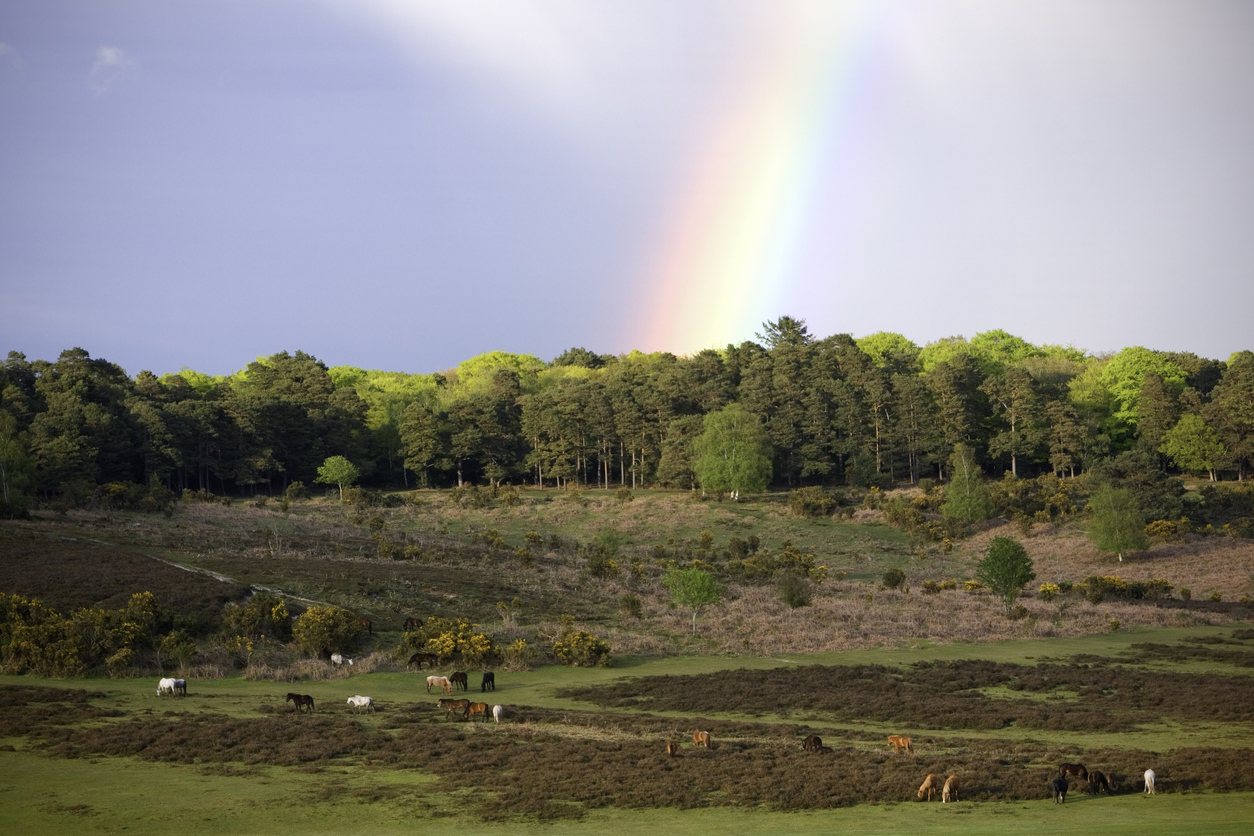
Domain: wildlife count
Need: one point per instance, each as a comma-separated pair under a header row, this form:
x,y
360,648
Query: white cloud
x,y
111,65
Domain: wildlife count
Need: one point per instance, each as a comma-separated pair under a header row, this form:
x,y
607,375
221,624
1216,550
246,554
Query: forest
x,y
874,411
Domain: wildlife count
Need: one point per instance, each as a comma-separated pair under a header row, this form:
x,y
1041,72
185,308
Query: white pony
x,y
358,702
1149,782
165,686
497,713
338,660
442,682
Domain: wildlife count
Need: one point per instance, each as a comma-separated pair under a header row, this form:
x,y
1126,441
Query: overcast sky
x,y
402,184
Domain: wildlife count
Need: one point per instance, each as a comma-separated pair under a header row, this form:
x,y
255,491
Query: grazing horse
x,y
412,623
488,683
701,738
928,786
419,659
358,702
477,709
450,706
338,660
460,680
1076,769
498,711
950,791
441,681
165,686
180,687
1149,782
672,748
898,743
814,743
1098,781
1059,787
368,624
299,701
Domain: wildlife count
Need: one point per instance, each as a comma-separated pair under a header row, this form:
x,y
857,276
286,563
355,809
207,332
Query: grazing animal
x,y
1076,769
369,625
450,706
950,791
672,748
1059,787
338,660
359,702
478,709
898,743
420,659
165,686
180,687
1098,781
460,680
701,738
412,623
488,683
497,712
442,682
299,701
929,786
813,743
1149,782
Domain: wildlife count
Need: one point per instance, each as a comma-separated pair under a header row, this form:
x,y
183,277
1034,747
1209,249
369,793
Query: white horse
x,y
338,660
165,686
359,702
180,687
497,712
1149,782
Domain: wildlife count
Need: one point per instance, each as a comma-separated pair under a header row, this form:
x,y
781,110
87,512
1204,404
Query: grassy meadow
x,y
1120,685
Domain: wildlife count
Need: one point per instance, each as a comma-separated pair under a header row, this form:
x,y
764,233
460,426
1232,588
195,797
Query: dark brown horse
x,y
1098,782
489,682
420,659
300,701
412,623
672,748
459,680
814,743
368,624
1076,769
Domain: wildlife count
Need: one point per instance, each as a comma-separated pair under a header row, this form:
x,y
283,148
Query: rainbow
x,y
759,221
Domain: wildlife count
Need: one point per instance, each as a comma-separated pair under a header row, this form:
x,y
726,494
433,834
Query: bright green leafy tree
x,y
1006,569
732,452
337,470
1118,525
966,496
1192,444
693,589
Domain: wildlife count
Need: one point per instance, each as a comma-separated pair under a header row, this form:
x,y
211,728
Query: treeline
x,y
871,411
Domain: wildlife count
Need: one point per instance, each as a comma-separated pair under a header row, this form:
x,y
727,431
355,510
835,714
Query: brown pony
x,y
898,743
672,748
950,792
1098,781
1076,769
813,743
701,738
412,623
929,786
459,680
450,706
299,701
368,624
478,708
419,659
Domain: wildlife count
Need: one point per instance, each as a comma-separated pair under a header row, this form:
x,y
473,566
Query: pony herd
x,y
1096,781
457,680
700,739
172,687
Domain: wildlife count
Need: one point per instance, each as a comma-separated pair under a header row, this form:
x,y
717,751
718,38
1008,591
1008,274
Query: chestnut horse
x,y
701,738
898,743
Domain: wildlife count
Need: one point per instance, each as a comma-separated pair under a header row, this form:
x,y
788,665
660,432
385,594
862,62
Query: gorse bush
x,y
321,631
811,502
452,639
581,649
34,638
893,578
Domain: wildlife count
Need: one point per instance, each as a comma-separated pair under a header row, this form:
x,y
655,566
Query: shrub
x,y
811,502
581,649
631,606
451,638
518,656
972,586
952,583
265,614
296,491
893,578
1049,591
1186,594
931,588
1006,569
320,631
624,494
794,590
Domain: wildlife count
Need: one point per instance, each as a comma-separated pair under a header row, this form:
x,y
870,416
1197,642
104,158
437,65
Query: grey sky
x,y
402,185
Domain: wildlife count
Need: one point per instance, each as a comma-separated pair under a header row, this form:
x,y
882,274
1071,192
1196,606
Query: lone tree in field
x,y
693,589
732,452
1118,525
1006,569
337,470
966,496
